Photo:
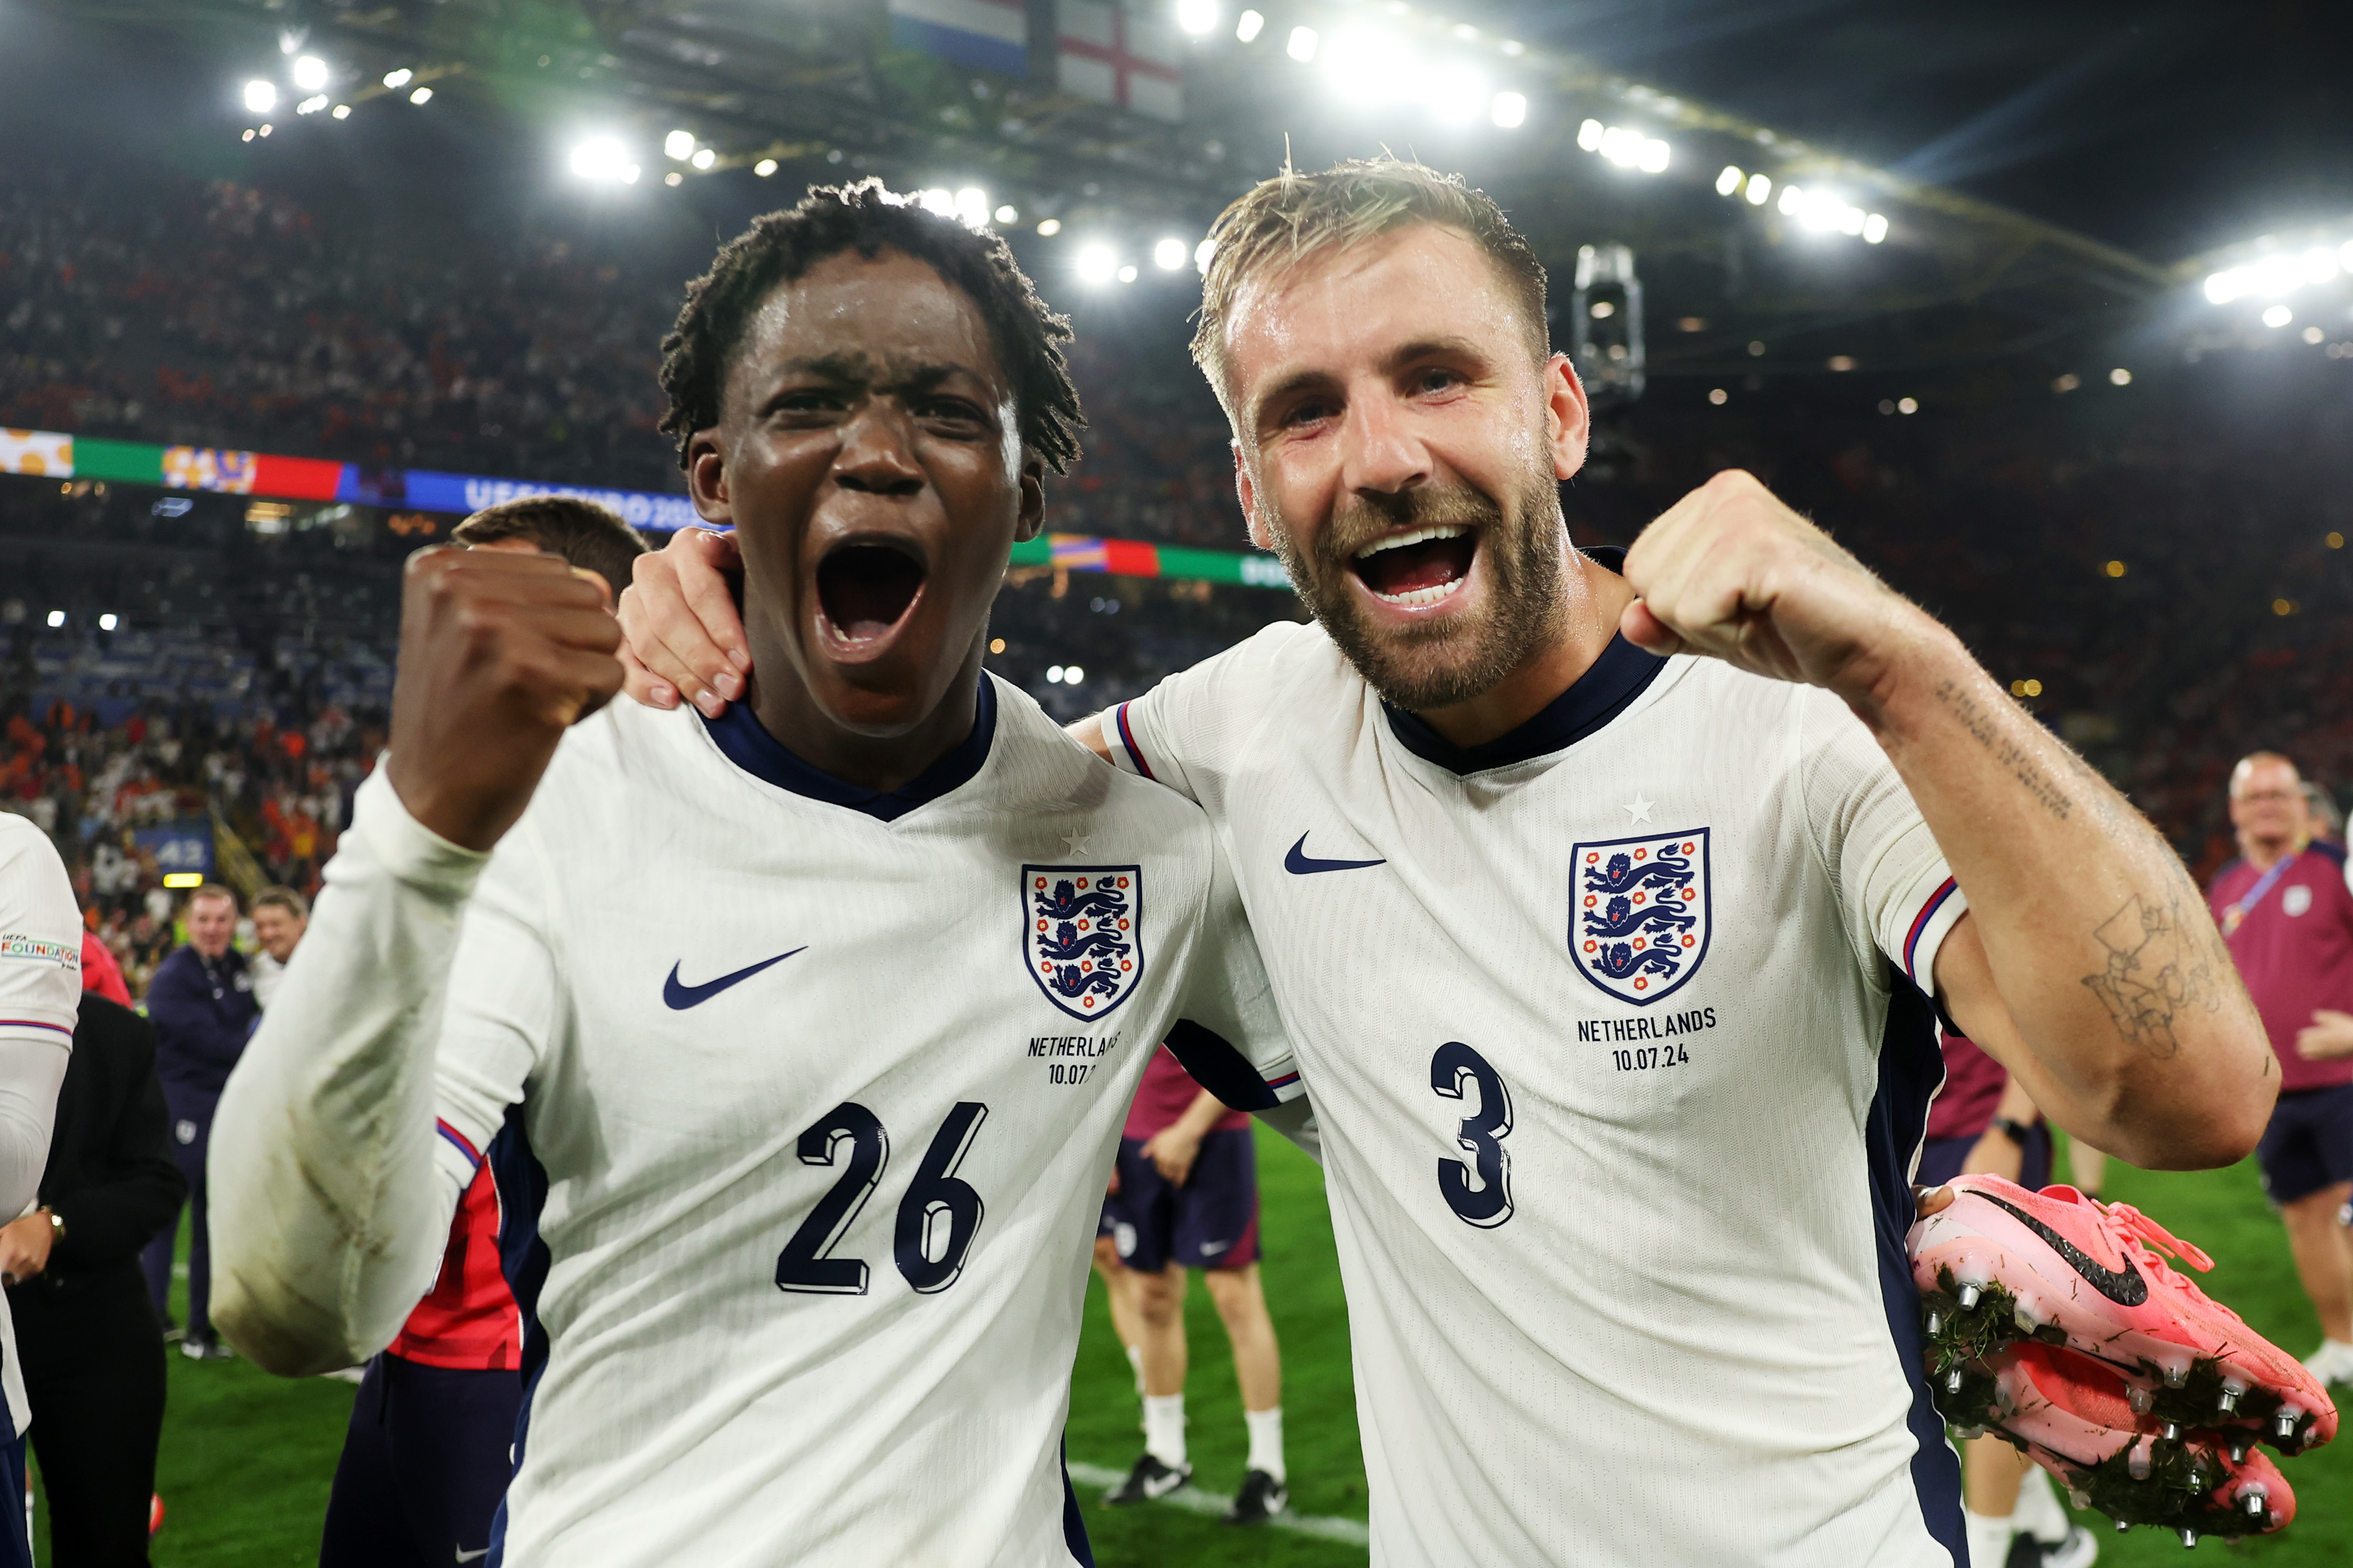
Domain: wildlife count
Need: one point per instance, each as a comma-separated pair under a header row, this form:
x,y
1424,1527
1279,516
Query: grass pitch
x,y
247,1457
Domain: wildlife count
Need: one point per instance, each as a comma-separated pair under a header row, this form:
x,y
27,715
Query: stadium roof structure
x,y
1745,280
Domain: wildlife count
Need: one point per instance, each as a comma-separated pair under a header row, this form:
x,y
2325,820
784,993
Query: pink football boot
x,y
2002,1264
2076,1417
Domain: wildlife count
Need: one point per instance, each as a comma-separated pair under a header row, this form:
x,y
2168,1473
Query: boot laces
x,y
2138,1234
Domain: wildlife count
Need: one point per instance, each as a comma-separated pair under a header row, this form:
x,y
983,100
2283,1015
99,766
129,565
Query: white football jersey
x,y
803,1101
41,1002
1611,1030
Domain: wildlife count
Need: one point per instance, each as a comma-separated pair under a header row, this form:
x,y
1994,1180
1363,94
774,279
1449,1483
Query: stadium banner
x,y
981,34
1120,56
182,846
268,476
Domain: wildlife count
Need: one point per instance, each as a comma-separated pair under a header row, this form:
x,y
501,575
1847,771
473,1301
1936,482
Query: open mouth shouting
x,y
867,590
1419,568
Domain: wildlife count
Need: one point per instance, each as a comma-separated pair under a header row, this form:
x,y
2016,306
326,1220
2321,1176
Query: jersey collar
x,y
1622,673
747,744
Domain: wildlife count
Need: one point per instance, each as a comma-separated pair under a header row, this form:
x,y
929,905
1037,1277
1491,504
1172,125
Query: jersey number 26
x,y
938,1218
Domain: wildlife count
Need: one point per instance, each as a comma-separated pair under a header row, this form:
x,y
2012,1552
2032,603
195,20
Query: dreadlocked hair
x,y
867,219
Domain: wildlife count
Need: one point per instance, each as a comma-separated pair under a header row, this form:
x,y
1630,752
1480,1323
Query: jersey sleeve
x,y
1183,729
1895,891
1227,1034
329,1214
40,992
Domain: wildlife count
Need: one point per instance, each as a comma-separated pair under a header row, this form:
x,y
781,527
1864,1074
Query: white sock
x,y
1135,1360
1163,1428
1265,1441
1989,1539
2039,1513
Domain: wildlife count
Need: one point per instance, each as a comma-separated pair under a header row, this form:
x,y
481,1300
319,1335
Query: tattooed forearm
x,y
2021,763
2158,967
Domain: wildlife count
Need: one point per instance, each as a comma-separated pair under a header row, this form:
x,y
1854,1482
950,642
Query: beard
x,y
1448,658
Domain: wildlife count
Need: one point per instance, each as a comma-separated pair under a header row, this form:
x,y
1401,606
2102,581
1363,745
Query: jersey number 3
x,y
1478,1186
938,1218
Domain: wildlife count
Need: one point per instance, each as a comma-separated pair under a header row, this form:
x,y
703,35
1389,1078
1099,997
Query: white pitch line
x,y
1192,1500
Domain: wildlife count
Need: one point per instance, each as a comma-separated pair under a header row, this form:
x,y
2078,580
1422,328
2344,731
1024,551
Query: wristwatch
x,y
2015,1132
56,1224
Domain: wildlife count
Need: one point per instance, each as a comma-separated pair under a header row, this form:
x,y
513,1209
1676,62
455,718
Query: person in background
x,y
203,1004
1985,1124
2286,912
92,1345
40,982
429,1447
99,971
2323,822
1185,1196
279,918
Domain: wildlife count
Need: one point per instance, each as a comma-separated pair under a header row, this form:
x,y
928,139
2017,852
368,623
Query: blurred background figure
x,y
92,1341
591,537
2286,911
203,1009
279,918
1984,1124
2323,822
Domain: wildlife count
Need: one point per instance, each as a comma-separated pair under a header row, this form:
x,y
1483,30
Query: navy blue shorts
x,y
1941,1159
1211,1222
2309,1144
426,1460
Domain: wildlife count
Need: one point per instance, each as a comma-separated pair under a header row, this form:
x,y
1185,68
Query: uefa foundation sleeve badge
x,y
1640,913
1082,934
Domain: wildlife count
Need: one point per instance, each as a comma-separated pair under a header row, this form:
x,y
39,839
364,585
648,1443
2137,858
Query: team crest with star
x,y
1640,913
1082,934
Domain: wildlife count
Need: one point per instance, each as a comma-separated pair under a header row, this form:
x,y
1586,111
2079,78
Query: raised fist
x,y
499,652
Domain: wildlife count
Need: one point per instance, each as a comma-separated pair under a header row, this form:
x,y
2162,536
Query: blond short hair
x,y
1292,218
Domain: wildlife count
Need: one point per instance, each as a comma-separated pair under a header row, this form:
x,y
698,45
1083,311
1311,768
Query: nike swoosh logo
x,y
474,1556
679,998
2125,1290
1299,863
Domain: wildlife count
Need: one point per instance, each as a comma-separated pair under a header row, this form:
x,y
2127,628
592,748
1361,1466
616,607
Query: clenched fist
x,y
1730,571
499,652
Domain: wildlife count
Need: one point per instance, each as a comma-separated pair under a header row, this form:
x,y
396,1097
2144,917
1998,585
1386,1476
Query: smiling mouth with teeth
x,y
1419,567
866,589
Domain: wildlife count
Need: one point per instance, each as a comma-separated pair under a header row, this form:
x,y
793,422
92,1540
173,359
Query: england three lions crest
x,y
1082,934
1640,913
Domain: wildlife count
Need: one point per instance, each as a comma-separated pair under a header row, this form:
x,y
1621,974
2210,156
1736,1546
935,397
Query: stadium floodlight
x,y
1729,180
1127,273
1168,254
310,73
1874,228
1247,26
1008,214
2278,316
1369,67
673,179
1197,15
704,157
108,621
972,205
1201,255
1049,227
602,157
1510,110
1457,94
1793,198
1072,675
260,97
1653,158
1761,189
342,111
312,105
1628,147
400,79
57,618
1302,46
2120,377
1053,675
765,167
421,96
937,199
1589,134
2345,256
679,145
1096,264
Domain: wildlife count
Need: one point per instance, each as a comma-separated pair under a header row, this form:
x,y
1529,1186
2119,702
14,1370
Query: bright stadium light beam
x,y
260,97
1096,264
1874,228
1247,26
1729,180
678,145
704,157
1197,16
1510,110
1761,189
397,79
1590,135
342,111
1456,95
1201,255
2278,316
312,105
601,158
765,167
1168,254
421,96
1302,46
1008,214
1127,273
1793,198
311,73
972,205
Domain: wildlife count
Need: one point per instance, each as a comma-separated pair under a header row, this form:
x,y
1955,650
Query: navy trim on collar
x,y
1622,673
749,746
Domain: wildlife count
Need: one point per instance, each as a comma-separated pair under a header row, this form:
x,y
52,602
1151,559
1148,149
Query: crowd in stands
x,y
2152,569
